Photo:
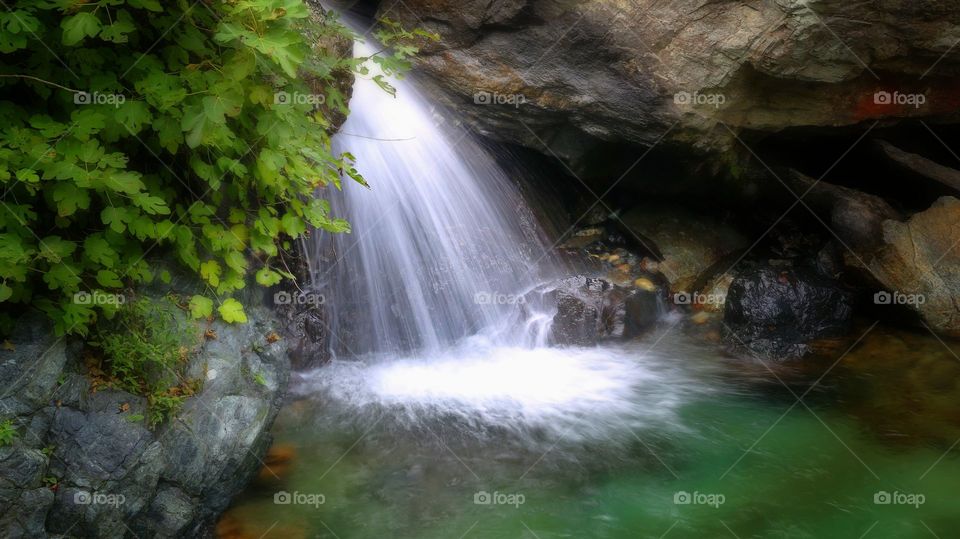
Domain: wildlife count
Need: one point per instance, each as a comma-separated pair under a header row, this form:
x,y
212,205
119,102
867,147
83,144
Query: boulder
x,y
919,265
775,312
84,464
686,243
589,309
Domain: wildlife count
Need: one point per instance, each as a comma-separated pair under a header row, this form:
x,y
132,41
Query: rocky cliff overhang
x,y
563,76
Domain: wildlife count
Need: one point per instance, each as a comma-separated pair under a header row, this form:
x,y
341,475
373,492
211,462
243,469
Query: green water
x,y
885,418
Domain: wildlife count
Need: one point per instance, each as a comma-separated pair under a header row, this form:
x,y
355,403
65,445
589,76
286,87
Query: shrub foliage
x,y
131,128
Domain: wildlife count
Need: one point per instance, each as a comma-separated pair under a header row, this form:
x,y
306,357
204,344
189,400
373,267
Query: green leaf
x,y
201,307
98,249
5,292
151,5
210,271
124,182
54,248
232,311
77,27
115,218
27,175
133,115
117,32
293,225
151,204
268,277
109,279
69,198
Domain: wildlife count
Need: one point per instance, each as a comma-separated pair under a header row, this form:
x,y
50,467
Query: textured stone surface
x,y
921,257
775,312
113,476
588,310
686,243
610,70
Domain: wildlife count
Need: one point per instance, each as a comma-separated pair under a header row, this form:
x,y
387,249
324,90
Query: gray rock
x,y
29,372
115,477
597,71
26,513
21,468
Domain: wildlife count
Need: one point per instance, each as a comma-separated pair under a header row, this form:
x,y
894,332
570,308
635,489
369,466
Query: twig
x,y
41,80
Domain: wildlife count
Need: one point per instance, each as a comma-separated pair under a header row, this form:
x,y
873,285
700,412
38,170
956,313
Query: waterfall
x,y
443,246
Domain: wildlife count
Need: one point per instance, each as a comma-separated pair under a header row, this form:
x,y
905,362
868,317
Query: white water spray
x,y
443,246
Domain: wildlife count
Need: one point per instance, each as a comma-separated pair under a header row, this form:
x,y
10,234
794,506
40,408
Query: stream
x,y
442,415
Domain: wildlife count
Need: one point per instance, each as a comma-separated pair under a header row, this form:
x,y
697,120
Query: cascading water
x,y
433,300
442,244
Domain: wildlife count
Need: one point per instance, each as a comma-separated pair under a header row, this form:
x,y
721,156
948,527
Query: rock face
x,y
686,243
774,312
919,264
85,465
589,309
562,74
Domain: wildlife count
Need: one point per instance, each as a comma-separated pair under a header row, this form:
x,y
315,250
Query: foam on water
x,y
573,393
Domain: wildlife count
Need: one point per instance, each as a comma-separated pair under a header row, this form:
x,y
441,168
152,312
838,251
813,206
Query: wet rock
x,y
716,291
306,333
589,309
687,243
775,312
919,264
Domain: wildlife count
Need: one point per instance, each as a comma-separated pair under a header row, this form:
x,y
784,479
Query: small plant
x,y
162,407
259,379
144,351
8,433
